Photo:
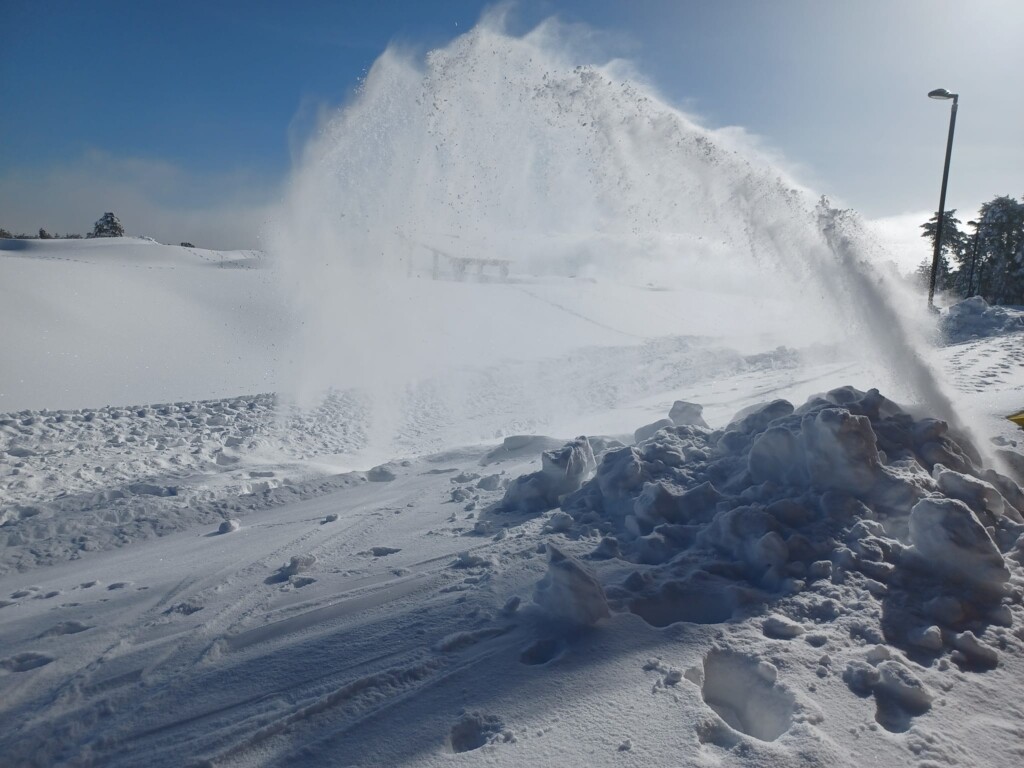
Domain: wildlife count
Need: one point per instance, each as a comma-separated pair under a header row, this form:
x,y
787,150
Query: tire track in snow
x,y
379,693
84,695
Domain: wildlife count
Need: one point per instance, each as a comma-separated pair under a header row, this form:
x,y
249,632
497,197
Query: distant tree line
x,y
107,225
987,259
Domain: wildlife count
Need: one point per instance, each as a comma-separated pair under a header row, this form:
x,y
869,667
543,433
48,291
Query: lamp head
x,y
941,93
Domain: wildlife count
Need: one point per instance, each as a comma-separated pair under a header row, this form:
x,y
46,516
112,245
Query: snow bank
x,y
974,318
87,480
848,489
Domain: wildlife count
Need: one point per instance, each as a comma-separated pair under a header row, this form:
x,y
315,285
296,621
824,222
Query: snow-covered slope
x,y
128,321
122,320
233,581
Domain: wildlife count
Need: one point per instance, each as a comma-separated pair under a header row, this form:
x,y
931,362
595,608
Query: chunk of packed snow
x,y
569,592
948,538
229,526
687,413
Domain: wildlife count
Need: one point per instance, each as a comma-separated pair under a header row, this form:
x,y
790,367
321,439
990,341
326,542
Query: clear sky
x,y
184,115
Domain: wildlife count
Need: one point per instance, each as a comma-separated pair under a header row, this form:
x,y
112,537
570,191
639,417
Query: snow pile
x,y
848,490
974,318
79,481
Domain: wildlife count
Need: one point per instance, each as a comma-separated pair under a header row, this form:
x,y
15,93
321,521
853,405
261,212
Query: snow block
x,y
567,467
841,451
658,503
902,687
756,418
687,413
563,470
776,455
621,475
569,592
949,539
650,430
980,496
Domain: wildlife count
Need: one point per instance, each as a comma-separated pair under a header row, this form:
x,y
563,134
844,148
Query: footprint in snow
x,y
23,662
743,692
541,652
66,628
474,730
185,609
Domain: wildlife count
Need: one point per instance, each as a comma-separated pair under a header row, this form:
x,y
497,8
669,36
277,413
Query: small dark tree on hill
x,y
5,233
44,235
107,226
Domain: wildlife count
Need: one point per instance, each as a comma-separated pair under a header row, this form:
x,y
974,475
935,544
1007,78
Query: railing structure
x,y
449,265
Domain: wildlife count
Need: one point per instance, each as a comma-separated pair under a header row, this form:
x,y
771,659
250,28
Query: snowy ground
x,y
412,601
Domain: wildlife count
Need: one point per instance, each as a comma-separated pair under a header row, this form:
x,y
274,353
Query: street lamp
x,y
942,93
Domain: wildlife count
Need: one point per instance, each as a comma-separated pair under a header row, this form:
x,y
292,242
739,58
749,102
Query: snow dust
x,y
499,159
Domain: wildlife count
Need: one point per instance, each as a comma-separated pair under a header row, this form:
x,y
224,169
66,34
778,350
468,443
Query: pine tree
x,y
107,226
954,251
1001,251
44,235
5,233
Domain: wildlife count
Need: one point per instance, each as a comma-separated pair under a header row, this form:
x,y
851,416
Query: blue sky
x,y
189,112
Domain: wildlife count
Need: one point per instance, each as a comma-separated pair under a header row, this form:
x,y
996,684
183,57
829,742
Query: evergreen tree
x,y
955,249
1001,251
6,233
44,235
923,274
107,226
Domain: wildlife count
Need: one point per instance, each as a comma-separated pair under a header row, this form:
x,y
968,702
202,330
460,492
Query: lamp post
x,y
942,93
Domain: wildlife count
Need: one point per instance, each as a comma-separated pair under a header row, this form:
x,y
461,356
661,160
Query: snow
x,y
974,318
286,509
399,633
126,320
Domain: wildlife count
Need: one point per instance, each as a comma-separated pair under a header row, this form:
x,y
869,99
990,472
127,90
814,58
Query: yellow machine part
x,y
1017,418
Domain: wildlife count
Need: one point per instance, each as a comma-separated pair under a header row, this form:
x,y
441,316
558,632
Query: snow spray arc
x,y
504,147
